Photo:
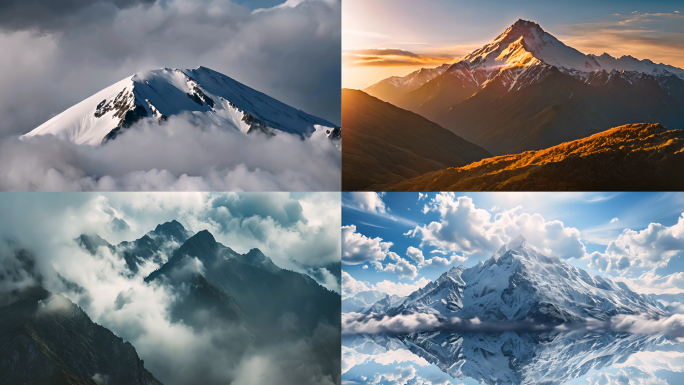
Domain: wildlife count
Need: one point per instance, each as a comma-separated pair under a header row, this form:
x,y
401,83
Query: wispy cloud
x,y
655,36
392,57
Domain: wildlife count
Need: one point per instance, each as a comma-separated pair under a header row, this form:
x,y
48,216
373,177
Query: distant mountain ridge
x,y
526,90
209,97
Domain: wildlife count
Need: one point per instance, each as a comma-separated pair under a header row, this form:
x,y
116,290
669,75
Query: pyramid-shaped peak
x,y
523,28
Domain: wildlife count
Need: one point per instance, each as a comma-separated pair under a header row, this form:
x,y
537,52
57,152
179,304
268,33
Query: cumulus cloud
x,y
464,227
402,268
351,287
415,254
648,248
401,289
175,156
367,201
80,47
358,248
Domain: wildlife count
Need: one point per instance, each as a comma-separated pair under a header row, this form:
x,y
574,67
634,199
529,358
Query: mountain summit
x,y
209,97
520,284
527,90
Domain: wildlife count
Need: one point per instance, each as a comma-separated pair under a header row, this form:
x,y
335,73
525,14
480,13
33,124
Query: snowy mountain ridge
x,y
520,284
521,56
209,96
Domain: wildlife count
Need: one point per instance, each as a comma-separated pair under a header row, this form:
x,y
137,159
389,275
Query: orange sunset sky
x,y
382,38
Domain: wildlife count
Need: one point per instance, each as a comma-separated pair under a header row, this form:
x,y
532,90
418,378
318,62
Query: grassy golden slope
x,y
631,157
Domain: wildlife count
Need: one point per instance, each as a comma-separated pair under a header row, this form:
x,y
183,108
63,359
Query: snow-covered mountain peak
x,y
520,283
207,96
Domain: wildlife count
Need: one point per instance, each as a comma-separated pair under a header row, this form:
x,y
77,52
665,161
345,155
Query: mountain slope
x,y
631,157
520,284
526,90
251,280
384,143
46,339
207,96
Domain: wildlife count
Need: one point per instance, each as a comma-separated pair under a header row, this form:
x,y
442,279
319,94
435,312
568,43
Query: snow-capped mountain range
x,y
521,55
208,96
527,90
520,284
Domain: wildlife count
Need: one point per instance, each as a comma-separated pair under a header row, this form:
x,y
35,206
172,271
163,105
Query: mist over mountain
x,y
238,317
47,339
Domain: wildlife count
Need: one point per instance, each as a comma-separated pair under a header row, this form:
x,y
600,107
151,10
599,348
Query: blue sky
x,y
593,221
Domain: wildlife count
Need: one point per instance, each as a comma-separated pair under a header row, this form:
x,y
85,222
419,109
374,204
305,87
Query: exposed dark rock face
x,y
46,339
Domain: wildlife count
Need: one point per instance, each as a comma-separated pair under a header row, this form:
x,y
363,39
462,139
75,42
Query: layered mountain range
x,y
202,95
526,90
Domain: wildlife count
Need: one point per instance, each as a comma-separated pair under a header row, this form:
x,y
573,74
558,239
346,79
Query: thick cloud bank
x,y
355,323
174,156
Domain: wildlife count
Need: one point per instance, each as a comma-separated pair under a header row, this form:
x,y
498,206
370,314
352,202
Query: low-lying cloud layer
x,y
175,156
355,323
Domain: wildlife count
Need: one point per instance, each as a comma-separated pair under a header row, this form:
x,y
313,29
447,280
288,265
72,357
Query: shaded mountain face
x,y
248,288
166,238
520,284
206,96
512,358
641,157
526,90
46,339
384,143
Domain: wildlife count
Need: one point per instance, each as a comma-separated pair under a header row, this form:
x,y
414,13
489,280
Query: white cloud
x,y
614,220
402,268
648,248
443,262
357,248
175,156
351,287
415,254
421,196
400,289
367,201
471,230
